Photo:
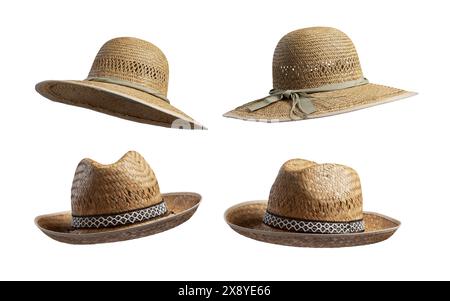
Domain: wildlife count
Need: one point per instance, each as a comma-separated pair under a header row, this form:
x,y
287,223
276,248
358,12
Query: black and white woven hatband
x,y
131,217
313,226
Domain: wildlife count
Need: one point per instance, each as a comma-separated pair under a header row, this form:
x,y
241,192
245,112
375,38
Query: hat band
x,y
131,217
302,104
313,226
128,84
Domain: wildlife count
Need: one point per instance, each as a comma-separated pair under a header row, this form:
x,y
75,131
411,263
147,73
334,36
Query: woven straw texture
x,y
315,57
307,191
316,192
181,207
133,60
246,219
126,186
125,59
129,184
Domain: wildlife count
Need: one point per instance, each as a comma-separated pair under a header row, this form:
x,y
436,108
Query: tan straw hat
x,y
316,73
128,79
312,205
117,202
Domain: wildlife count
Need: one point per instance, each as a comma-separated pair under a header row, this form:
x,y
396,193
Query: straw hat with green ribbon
x,y
316,73
312,205
128,79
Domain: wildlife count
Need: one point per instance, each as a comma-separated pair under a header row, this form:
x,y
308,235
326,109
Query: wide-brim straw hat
x,y
116,202
312,205
316,73
128,79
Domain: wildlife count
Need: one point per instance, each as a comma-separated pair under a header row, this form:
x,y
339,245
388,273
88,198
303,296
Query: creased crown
x,y
133,60
127,185
309,191
314,57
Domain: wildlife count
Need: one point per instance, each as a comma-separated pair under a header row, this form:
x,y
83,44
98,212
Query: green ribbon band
x,y
302,104
128,84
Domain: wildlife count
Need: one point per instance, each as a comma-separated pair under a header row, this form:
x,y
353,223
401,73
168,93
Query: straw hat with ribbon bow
x,y
117,202
128,79
316,73
312,205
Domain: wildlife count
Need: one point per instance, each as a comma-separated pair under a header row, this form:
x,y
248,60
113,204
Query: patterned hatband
x,y
313,226
131,217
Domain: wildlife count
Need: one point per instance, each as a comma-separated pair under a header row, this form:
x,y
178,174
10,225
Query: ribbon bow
x,y
302,104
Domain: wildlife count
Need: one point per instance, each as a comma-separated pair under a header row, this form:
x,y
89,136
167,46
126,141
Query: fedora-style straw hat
x,y
117,202
316,73
128,79
312,205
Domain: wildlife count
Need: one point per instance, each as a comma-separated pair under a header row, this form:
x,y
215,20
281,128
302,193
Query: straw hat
x,y
117,202
316,73
128,79
312,205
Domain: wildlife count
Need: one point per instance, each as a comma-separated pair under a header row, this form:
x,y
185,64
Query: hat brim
x,y
326,103
246,219
180,206
118,101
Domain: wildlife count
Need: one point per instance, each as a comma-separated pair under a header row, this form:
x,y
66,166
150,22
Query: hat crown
x,y
308,191
314,57
133,60
127,185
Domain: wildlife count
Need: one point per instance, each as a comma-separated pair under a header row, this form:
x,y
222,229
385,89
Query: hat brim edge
x,y
405,94
312,240
61,230
43,89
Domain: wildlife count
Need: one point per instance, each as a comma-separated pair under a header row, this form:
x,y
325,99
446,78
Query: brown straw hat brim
x,y
326,103
180,206
246,219
116,100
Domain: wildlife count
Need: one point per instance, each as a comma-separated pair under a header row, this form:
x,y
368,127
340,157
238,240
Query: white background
x,y
220,56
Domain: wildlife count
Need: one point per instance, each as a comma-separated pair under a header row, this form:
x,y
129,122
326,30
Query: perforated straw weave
x,y
313,58
128,79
